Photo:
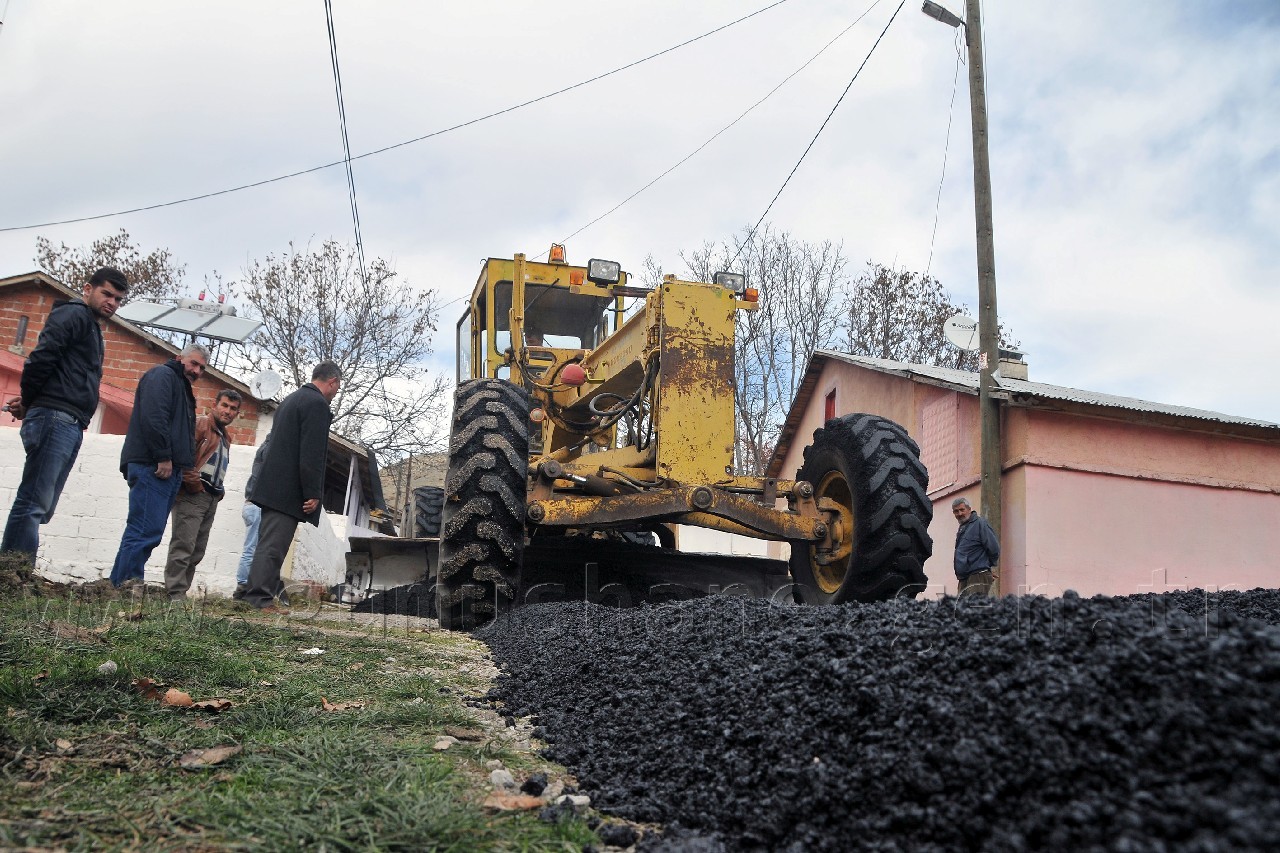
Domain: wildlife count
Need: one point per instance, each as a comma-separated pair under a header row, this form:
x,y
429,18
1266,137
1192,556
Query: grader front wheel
x,y
868,479
482,529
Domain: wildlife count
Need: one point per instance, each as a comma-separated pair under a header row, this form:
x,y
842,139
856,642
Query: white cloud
x,y
1134,152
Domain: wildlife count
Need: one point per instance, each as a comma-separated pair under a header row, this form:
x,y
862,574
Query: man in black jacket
x,y
59,397
977,551
158,447
290,487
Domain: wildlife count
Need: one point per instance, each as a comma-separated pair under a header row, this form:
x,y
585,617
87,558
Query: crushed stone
x,y
1137,723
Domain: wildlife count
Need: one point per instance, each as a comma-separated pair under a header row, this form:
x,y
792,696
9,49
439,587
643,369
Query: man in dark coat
x,y
59,397
158,447
977,551
290,487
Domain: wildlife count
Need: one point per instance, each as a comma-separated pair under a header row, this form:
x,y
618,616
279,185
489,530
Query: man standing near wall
x,y
200,494
977,551
158,447
290,487
252,517
59,397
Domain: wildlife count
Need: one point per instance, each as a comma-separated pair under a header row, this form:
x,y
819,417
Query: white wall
x,y
704,540
80,543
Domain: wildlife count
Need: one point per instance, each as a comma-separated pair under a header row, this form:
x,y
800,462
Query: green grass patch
x,y
88,762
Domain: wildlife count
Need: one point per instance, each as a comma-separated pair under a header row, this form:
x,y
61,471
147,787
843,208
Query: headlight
x,y
735,281
603,272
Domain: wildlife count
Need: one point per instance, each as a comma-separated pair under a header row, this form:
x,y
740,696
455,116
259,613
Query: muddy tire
x,y
482,530
871,468
428,507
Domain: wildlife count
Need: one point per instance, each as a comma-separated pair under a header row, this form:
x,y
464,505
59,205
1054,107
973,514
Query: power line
x,y
346,142
946,149
715,135
387,148
776,195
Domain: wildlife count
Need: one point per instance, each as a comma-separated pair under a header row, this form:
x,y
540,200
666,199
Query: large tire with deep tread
x,y
428,507
482,531
869,465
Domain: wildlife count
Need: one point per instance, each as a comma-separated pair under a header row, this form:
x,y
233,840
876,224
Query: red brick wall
x,y
128,356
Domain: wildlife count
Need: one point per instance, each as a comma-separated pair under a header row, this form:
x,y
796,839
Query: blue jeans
x,y
252,515
52,441
150,501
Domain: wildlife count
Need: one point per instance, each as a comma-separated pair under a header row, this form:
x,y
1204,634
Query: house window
x,y
829,412
21,338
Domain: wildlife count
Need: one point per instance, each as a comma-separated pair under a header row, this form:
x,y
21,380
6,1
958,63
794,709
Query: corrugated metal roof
x,y
963,380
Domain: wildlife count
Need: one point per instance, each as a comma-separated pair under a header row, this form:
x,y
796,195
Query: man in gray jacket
x,y
59,397
977,551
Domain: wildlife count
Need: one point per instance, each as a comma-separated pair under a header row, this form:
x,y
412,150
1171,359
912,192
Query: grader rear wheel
x,y
428,506
482,531
869,469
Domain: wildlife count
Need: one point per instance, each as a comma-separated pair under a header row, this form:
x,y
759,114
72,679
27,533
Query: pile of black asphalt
x,y
415,599
1139,723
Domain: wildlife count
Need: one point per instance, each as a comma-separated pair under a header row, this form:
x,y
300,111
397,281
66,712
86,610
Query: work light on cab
x,y
735,281
603,272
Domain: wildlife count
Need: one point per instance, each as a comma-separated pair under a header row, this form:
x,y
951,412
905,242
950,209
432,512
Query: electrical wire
x,y
346,141
717,134
776,195
946,149
394,146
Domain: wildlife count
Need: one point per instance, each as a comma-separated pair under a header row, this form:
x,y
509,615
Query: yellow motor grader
x,y
590,407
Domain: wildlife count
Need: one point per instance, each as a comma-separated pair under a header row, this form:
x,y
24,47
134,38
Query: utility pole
x,y
988,323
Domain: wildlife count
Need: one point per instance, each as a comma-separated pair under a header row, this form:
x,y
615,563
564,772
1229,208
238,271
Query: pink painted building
x,y
1102,494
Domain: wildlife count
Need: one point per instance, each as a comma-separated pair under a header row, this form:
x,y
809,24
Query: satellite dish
x,y
266,384
962,331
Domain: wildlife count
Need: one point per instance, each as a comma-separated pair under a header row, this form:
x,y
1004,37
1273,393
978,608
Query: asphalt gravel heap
x,y
1135,723
415,599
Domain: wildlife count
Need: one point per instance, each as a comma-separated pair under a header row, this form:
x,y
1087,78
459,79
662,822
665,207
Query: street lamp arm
x,y
941,13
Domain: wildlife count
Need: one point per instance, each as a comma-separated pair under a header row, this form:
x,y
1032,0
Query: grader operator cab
x,y
589,407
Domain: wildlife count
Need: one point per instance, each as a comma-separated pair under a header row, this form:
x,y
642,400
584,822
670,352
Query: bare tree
x,y
809,302
800,284
154,277
315,307
899,315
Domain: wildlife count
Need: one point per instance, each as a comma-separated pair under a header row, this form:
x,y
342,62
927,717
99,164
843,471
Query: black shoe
x,y
283,598
241,589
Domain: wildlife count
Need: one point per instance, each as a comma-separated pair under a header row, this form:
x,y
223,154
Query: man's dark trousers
x,y
51,439
150,501
274,537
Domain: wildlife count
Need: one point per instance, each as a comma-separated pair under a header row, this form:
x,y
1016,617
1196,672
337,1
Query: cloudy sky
x,y
1135,150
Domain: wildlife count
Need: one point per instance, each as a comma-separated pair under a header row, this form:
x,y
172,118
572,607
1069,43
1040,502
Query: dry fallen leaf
x,y
197,759
67,631
136,616
356,667
148,688
64,745
339,706
464,734
40,676
174,696
217,706
512,802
